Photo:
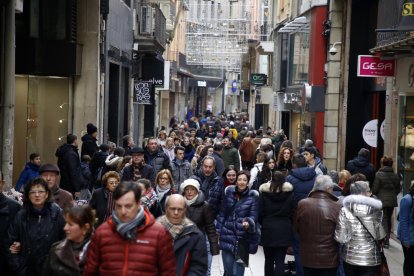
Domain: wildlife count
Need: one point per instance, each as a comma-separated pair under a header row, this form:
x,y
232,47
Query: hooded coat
x,y
386,186
70,169
276,215
362,165
302,180
360,248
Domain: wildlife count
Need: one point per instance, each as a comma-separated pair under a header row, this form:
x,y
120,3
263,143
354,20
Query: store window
x,y
299,57
41,118
406,141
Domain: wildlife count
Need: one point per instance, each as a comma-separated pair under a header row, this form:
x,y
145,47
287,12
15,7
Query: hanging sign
x,y
234,86
143,92
372,66
258,79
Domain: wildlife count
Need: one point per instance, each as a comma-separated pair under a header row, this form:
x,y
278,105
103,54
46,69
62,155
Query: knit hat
x,y
49,168
190,182
90,128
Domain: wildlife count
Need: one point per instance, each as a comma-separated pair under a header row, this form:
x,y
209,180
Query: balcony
x,y
168,8
150,34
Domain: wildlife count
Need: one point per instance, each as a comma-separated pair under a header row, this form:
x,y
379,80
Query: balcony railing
x,y
151,24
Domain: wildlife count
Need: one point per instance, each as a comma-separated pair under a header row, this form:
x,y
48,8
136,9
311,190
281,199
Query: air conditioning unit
x,y
18,6
147,17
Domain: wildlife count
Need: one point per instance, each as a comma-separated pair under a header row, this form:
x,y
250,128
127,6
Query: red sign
x,y
372,66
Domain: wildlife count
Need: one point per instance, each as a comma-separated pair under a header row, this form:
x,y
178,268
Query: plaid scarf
x,y
109,205
149,199
128,230
175,230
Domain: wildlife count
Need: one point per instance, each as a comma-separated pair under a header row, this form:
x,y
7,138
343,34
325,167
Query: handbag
x,y
383,269
242,253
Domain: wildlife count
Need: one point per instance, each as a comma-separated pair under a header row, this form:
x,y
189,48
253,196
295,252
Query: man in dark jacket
x,y
69,165
97,165
156,157
218,150
302,178
361,164
138,169
189,243
89,146
315,223
50,173
8,210
211,184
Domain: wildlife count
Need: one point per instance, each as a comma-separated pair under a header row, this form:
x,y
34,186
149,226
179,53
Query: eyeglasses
x,y
37,192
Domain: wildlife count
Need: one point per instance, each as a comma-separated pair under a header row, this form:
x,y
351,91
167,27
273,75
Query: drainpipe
x,y
7,103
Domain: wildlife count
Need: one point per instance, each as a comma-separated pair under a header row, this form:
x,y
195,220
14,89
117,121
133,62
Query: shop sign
x,y
234,86
201,83
372,66
143,92
258,79
370,132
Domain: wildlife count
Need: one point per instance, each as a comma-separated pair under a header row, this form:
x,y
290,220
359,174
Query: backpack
x,y
256,184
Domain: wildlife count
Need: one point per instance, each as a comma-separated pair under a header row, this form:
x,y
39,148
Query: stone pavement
x,y
394,256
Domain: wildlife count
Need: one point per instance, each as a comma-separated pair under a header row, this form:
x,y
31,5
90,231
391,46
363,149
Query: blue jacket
x,y
29,172
405,229
229,225
362,165
302,180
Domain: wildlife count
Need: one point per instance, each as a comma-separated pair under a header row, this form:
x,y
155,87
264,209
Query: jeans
x,y
209,257
231,268
296,252
408,267
340,271
388,211
308,271
351,270
274,260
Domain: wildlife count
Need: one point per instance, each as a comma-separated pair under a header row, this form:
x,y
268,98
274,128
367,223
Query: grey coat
x,y
386,186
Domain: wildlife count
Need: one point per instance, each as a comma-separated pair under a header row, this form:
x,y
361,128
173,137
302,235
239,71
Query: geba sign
x,y
258,79
372,66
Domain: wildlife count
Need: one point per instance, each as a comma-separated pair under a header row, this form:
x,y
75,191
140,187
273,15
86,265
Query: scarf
x,y
137,173
161,192
175,230
190,201
128,230
39,212
110,204
149,199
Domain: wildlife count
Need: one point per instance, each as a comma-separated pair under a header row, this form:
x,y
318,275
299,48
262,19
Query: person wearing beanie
x,y
51,174
89,141
361,164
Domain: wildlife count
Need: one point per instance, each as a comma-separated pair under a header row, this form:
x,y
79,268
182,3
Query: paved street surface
x,y
394,256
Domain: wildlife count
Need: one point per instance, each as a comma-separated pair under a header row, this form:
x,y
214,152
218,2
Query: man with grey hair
x,y
189,243
315,224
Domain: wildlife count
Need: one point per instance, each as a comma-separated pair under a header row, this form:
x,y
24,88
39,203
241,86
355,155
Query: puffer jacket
x,y
29,172
233,212
151,254
361,165
212,187
405,229
276,215
36,235
315,223
360,248
203,216
180,171
386,187
302,180
158,160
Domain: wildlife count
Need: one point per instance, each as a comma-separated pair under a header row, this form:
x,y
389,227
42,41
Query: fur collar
x,y
232,189
265,187
361,199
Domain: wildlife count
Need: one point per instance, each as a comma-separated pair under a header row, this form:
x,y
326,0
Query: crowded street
x,y
206,137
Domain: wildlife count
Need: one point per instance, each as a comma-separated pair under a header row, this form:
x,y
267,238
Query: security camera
x,y
333,50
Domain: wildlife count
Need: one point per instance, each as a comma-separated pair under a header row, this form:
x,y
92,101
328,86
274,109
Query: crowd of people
x,y
196,190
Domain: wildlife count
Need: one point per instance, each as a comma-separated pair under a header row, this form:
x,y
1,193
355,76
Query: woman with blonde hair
x,y
164,187
169,147
102,199
162,137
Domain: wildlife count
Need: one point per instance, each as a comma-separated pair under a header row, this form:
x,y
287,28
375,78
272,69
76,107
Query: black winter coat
x,y
89,146
190,252
362,165
202,215
147,172
99,202
276,215
36,235
8,210
71,178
